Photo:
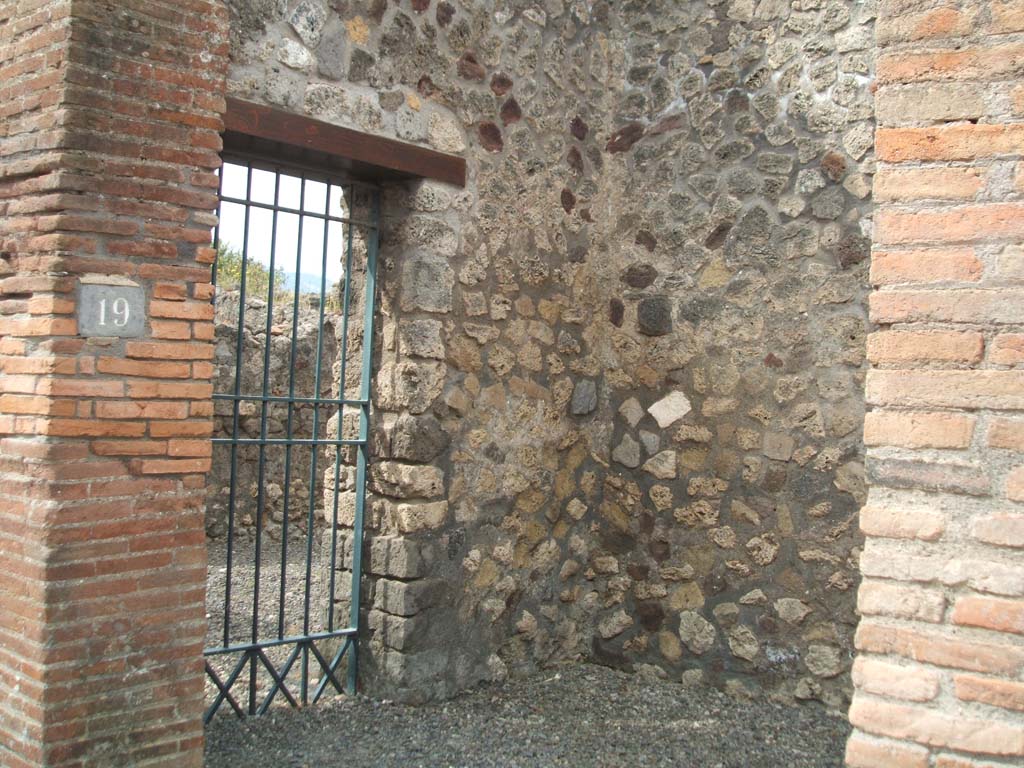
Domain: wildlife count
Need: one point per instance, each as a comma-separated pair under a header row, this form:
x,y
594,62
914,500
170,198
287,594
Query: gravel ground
x,y
242,592
579,715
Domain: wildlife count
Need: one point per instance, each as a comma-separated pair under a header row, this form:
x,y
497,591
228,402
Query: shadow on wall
x,y
666,201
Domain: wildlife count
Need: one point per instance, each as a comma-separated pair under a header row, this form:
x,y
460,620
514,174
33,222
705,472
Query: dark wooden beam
x,y
365,152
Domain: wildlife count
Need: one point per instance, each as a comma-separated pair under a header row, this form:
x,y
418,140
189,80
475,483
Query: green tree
x,y
257,276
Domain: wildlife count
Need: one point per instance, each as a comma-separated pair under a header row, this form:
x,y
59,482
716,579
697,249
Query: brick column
x,y
109,133
940,672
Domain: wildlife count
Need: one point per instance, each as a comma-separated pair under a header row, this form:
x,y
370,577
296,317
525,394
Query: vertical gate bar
x,y
261,465
216,230
341,416
232,495
291,412
364,431
313,458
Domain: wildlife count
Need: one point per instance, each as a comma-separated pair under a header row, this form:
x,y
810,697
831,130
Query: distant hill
x,y
308,283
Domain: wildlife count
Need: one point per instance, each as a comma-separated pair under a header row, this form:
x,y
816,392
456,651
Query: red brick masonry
x,y
109,139
940,672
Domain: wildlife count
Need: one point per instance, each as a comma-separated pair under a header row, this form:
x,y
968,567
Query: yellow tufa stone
x,y
358,32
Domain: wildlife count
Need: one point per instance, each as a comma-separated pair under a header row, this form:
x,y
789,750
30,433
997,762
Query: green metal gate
x,y
296,257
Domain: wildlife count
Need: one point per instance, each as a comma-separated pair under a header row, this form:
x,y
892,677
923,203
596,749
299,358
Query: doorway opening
x,y
294,308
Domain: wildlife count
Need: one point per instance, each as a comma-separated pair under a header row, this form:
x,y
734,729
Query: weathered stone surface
x,y
407,598
616,312
763,549
308,20
823,660
662,465
401,633
669,409
715,252
624,138
421,338
754,597
778,446
639,275
631,411
584,398
791,610
511,112
469,68
654,316
417,438
614,625
576,509
424,516
651,441
295,55
330,54
427,282
743,643
406,481
696,632
444,133
395,557
627,452
490,137
409,385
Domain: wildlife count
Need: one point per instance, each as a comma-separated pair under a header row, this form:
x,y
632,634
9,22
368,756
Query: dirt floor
x,y
580,715
272,621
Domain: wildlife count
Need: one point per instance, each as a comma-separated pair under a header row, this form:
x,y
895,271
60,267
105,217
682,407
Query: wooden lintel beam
x,y
296,130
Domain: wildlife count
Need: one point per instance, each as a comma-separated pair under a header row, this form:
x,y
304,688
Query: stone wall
x,y
635,341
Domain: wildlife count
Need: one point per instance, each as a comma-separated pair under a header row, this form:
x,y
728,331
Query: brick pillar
x,y
940,672
109,132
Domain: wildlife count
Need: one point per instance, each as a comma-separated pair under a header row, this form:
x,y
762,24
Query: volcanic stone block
x,y
427,282
395,556
628,452
402,633
421,338
696,632
407,598
422,516
584,397
654,316
406,481
417,438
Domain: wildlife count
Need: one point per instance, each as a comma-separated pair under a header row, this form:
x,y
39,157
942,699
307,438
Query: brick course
x,y
110,129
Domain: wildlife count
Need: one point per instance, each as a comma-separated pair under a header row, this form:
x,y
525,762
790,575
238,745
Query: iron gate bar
x,y
291,410
257,653
370,290
296,211
253,654
342,374
351,642
304,679
279,681
261,471
233,484
224,688
284,441
296,399
240,647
